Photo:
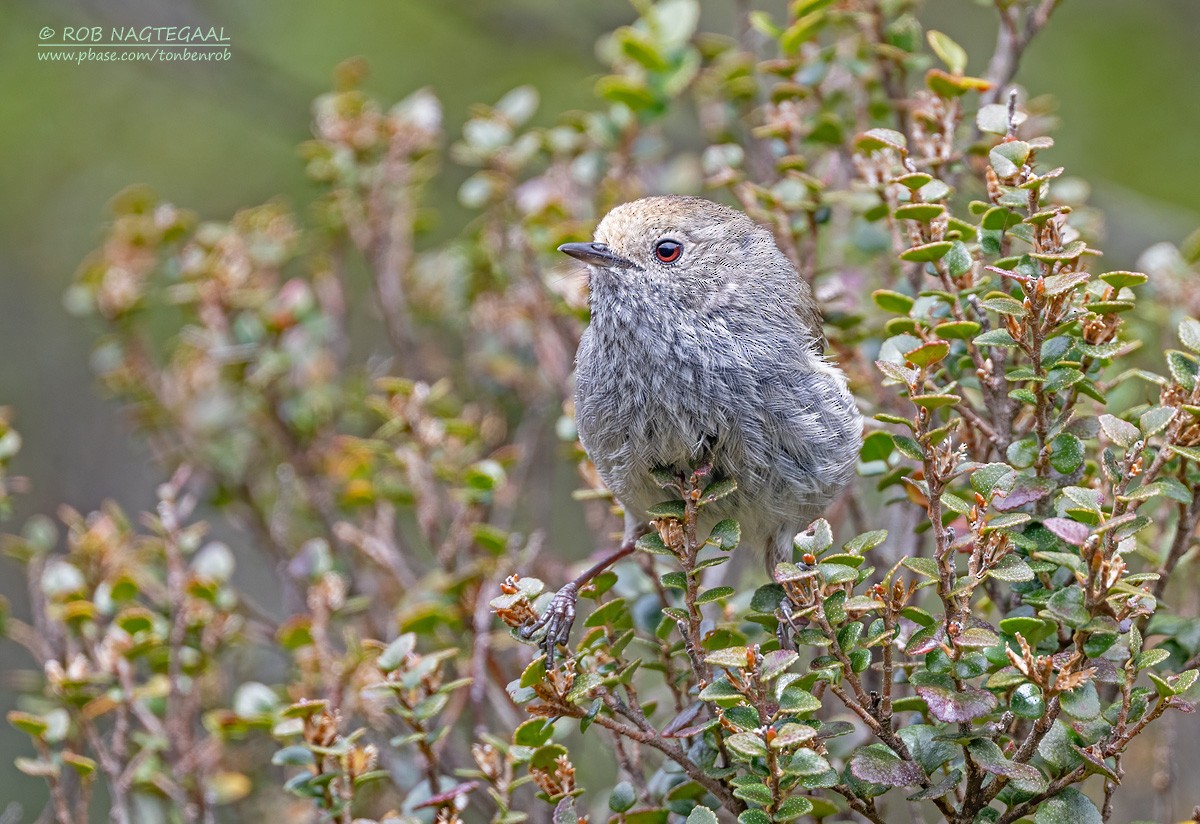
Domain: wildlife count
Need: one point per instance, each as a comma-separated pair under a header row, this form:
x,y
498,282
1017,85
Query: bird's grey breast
x,y
649,393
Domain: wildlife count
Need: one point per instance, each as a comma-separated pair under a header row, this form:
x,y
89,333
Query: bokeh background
x,y
218,136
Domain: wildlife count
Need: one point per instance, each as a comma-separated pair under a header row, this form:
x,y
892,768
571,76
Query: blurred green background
x,y
218,136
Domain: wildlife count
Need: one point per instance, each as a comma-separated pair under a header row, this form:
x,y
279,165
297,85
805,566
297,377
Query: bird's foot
x,y
556,620
786,627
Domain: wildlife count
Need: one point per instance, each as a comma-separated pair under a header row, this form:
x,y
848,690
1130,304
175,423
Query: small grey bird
x,y
705,346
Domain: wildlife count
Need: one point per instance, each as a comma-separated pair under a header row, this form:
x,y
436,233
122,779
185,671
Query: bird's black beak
x,y
596,254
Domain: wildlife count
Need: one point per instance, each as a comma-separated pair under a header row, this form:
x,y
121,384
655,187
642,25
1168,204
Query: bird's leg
x,y
786,627
560,614
779,548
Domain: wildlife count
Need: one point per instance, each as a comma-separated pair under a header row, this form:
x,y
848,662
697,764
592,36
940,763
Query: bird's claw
x,y
787,624
557,621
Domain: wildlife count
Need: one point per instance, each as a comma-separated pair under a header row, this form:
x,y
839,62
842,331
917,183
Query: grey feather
x,y
715,356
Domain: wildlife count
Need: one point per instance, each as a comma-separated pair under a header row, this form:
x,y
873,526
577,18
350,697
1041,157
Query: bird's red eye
x,y
668,251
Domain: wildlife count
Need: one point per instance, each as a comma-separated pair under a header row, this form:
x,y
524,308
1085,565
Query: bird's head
x,y
686,249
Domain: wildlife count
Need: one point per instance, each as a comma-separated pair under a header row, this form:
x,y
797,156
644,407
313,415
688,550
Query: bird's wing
x,y
810,317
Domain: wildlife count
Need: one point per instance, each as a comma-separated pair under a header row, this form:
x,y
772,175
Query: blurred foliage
x,y
1009,648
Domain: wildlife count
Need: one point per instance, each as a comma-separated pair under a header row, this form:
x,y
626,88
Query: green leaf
x,y
805,762
957,330
1151,657
1120,280
949,52
701,815
726,534
535,673
85,766
32,725
631,93
800,32
1189,334
1011,568
584,684
879,765
837,573
922,566
993,118
877,446
793,808
1007,158
1169,487
652,542
928,353
992,476
766,598
958,261
761,22
874,140
1120,432
920,212
890,301
865,542
999,218
535,732
1062,377
616,610
623,797
718,490
774,663
1069,806
943,788
987,754
1191,453
816,539
730,657
1155,419
909,447
1022,453
714,594
1083,498
913,180
1004,306
953,85
792,735
1066,453
1173,684
995,337
720,690
1066,606
1030,628
934,190
296,756
835,607
901,374
927,252
1073,532
667,509
747,745
1082,703
1058,284
1028,702
395,653
796,699
954,707
916,614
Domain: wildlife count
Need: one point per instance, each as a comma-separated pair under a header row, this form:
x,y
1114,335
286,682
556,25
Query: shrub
x,y
988,657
